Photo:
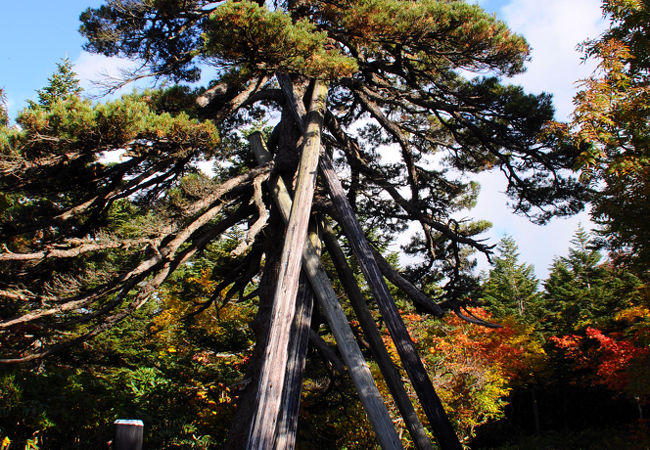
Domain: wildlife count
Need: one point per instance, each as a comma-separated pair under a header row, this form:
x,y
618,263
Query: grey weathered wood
x,y
371,332
271,381
300,335
357,366
429,400
128,434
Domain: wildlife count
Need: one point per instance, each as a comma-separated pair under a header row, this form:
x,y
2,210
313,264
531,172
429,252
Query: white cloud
x,y
554,28
94,71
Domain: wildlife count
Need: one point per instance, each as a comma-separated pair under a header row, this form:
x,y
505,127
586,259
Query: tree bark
x,y
241,423
288,421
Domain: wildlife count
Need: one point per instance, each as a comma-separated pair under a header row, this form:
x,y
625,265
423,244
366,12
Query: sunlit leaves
x,y
612,127
474,368
433,34
246,33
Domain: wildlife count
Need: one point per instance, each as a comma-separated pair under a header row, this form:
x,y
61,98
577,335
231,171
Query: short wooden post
x,y
128,434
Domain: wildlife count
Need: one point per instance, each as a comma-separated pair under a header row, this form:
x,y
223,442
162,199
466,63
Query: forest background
x,y
576,343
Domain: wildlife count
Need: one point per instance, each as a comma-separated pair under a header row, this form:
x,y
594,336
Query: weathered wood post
x,y
358,369
128,434
272,376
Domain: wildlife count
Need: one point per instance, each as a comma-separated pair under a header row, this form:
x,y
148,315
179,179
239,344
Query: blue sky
x,y
34,36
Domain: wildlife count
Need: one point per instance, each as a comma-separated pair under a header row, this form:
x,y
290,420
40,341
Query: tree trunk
x,y
288,421
241,423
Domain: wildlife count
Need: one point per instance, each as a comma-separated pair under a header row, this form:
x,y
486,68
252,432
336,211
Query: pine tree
x,y
89,243
582,290
61,85
511,288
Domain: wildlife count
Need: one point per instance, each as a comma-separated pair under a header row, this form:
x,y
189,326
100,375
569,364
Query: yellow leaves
x,y
633,314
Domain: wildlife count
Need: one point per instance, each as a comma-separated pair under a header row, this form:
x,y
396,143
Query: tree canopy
x,y
611,124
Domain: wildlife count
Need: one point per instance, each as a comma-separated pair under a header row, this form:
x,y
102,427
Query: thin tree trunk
x,y
429,400
391,374
272,377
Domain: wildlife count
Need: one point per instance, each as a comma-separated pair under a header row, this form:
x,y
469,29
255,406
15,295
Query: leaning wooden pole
x,y
273,372
359,372
443,430
287,426
371,332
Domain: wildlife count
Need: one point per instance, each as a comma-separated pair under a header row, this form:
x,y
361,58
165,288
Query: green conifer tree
x,y
583,290
511,288
4,115
61,84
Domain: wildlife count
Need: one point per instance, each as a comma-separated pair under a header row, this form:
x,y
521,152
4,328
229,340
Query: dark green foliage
x,y
511,289
582,290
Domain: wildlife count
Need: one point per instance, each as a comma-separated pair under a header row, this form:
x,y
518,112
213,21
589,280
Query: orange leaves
x,y
474,367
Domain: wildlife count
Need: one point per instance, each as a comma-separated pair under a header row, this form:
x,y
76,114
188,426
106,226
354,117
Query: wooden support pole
x,y
269,395
442,428
359,371
388,370
300,332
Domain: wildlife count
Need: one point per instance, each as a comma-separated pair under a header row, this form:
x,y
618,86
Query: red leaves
x,y
609,357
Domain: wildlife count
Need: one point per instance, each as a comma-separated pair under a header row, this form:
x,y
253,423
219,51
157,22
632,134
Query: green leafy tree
x,y
61,85
582,290
611,123
511,288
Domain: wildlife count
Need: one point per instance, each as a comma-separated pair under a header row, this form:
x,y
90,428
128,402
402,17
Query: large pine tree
x,y
88,242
